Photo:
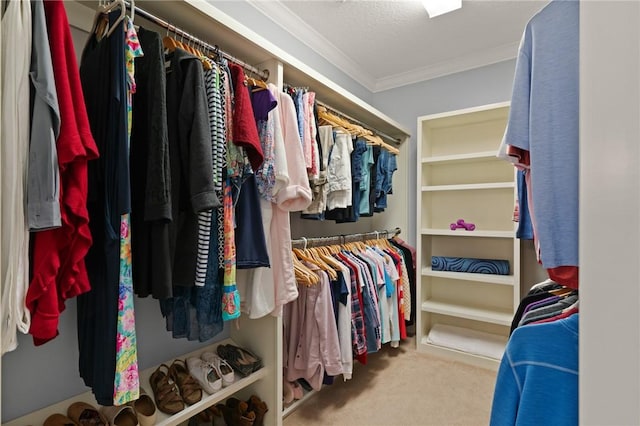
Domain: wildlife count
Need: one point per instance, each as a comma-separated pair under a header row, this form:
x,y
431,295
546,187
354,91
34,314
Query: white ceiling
x,y
384,44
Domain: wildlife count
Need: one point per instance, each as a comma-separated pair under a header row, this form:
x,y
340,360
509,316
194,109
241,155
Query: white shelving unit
x,y
460,177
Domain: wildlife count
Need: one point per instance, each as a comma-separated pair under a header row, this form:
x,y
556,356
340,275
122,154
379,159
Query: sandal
x,y
240,359
189,388
165,391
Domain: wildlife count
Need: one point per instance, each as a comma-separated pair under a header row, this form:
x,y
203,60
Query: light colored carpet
x,y
401,387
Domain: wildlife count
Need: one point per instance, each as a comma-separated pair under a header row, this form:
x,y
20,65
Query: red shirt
x,y
59,271
245,131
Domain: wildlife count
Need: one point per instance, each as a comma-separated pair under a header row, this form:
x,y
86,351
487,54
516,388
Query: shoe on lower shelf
x,y
242,360
86,414
58,420
206,374
120,415
222,367
145,409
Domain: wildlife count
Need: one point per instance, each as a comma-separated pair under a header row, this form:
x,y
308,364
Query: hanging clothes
x,y
58,255
192,189
14,263
150,173
542,134
43,182
529,370
312,343
127,381
103,75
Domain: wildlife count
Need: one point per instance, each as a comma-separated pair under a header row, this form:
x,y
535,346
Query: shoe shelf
x,y
294,405
38,417
207,400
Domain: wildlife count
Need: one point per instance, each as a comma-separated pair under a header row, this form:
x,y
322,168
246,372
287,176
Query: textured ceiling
x,y
386,43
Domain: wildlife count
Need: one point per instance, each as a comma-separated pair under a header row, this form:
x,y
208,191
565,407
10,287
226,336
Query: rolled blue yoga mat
x,y
472,265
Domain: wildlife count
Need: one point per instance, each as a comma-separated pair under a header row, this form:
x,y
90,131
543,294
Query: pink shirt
x,y
312,340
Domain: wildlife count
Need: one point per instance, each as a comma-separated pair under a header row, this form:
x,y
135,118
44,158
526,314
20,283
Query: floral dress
x,y
127,381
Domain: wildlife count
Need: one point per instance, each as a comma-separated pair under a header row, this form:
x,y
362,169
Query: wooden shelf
x,y
468,186
457,355
465,276
462,233
293,406
461,158
38,417
476,314
460,175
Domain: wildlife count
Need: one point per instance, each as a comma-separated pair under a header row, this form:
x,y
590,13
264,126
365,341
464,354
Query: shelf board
x,y
463,233
465,276
39,416
293,406
476,314
461,158
457,355
468,186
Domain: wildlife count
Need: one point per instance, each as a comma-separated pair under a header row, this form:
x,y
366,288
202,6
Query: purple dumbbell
x,y
462,224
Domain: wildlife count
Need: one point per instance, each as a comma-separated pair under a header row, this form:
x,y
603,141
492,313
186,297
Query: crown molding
x,y
456,65
287,20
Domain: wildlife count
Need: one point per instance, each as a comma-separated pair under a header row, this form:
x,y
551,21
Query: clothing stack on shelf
x,y
354,297
541,139
350,168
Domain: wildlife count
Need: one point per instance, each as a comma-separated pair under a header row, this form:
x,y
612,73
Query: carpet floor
x,y
402,387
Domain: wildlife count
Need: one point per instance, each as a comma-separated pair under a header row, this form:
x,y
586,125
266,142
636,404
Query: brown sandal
x,y
189,388
165,391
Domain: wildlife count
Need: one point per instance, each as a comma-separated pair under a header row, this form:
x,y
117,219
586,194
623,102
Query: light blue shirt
x,y
543,120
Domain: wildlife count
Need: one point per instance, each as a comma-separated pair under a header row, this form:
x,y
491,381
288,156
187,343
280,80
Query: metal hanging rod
x,y
341,239
263,74
356,121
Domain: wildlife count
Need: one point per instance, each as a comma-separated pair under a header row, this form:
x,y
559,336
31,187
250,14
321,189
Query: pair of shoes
x,y
259,407
165,391
190,390
291,391
236,413
211,371
206,375
144,409
86,414
120,415
222,367
243,361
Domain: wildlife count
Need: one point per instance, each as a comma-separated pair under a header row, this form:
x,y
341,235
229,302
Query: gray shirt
x,y
43,180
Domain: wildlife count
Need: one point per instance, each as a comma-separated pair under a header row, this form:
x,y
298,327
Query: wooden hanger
x,y
101,18
256,85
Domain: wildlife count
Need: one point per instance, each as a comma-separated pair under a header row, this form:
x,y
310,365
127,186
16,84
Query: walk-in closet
x,y
311,212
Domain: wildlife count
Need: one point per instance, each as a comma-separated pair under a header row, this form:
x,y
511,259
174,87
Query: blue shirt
x,y
543,120
537,381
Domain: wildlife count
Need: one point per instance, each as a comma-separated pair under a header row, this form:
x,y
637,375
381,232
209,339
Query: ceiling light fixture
x,y
440,7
